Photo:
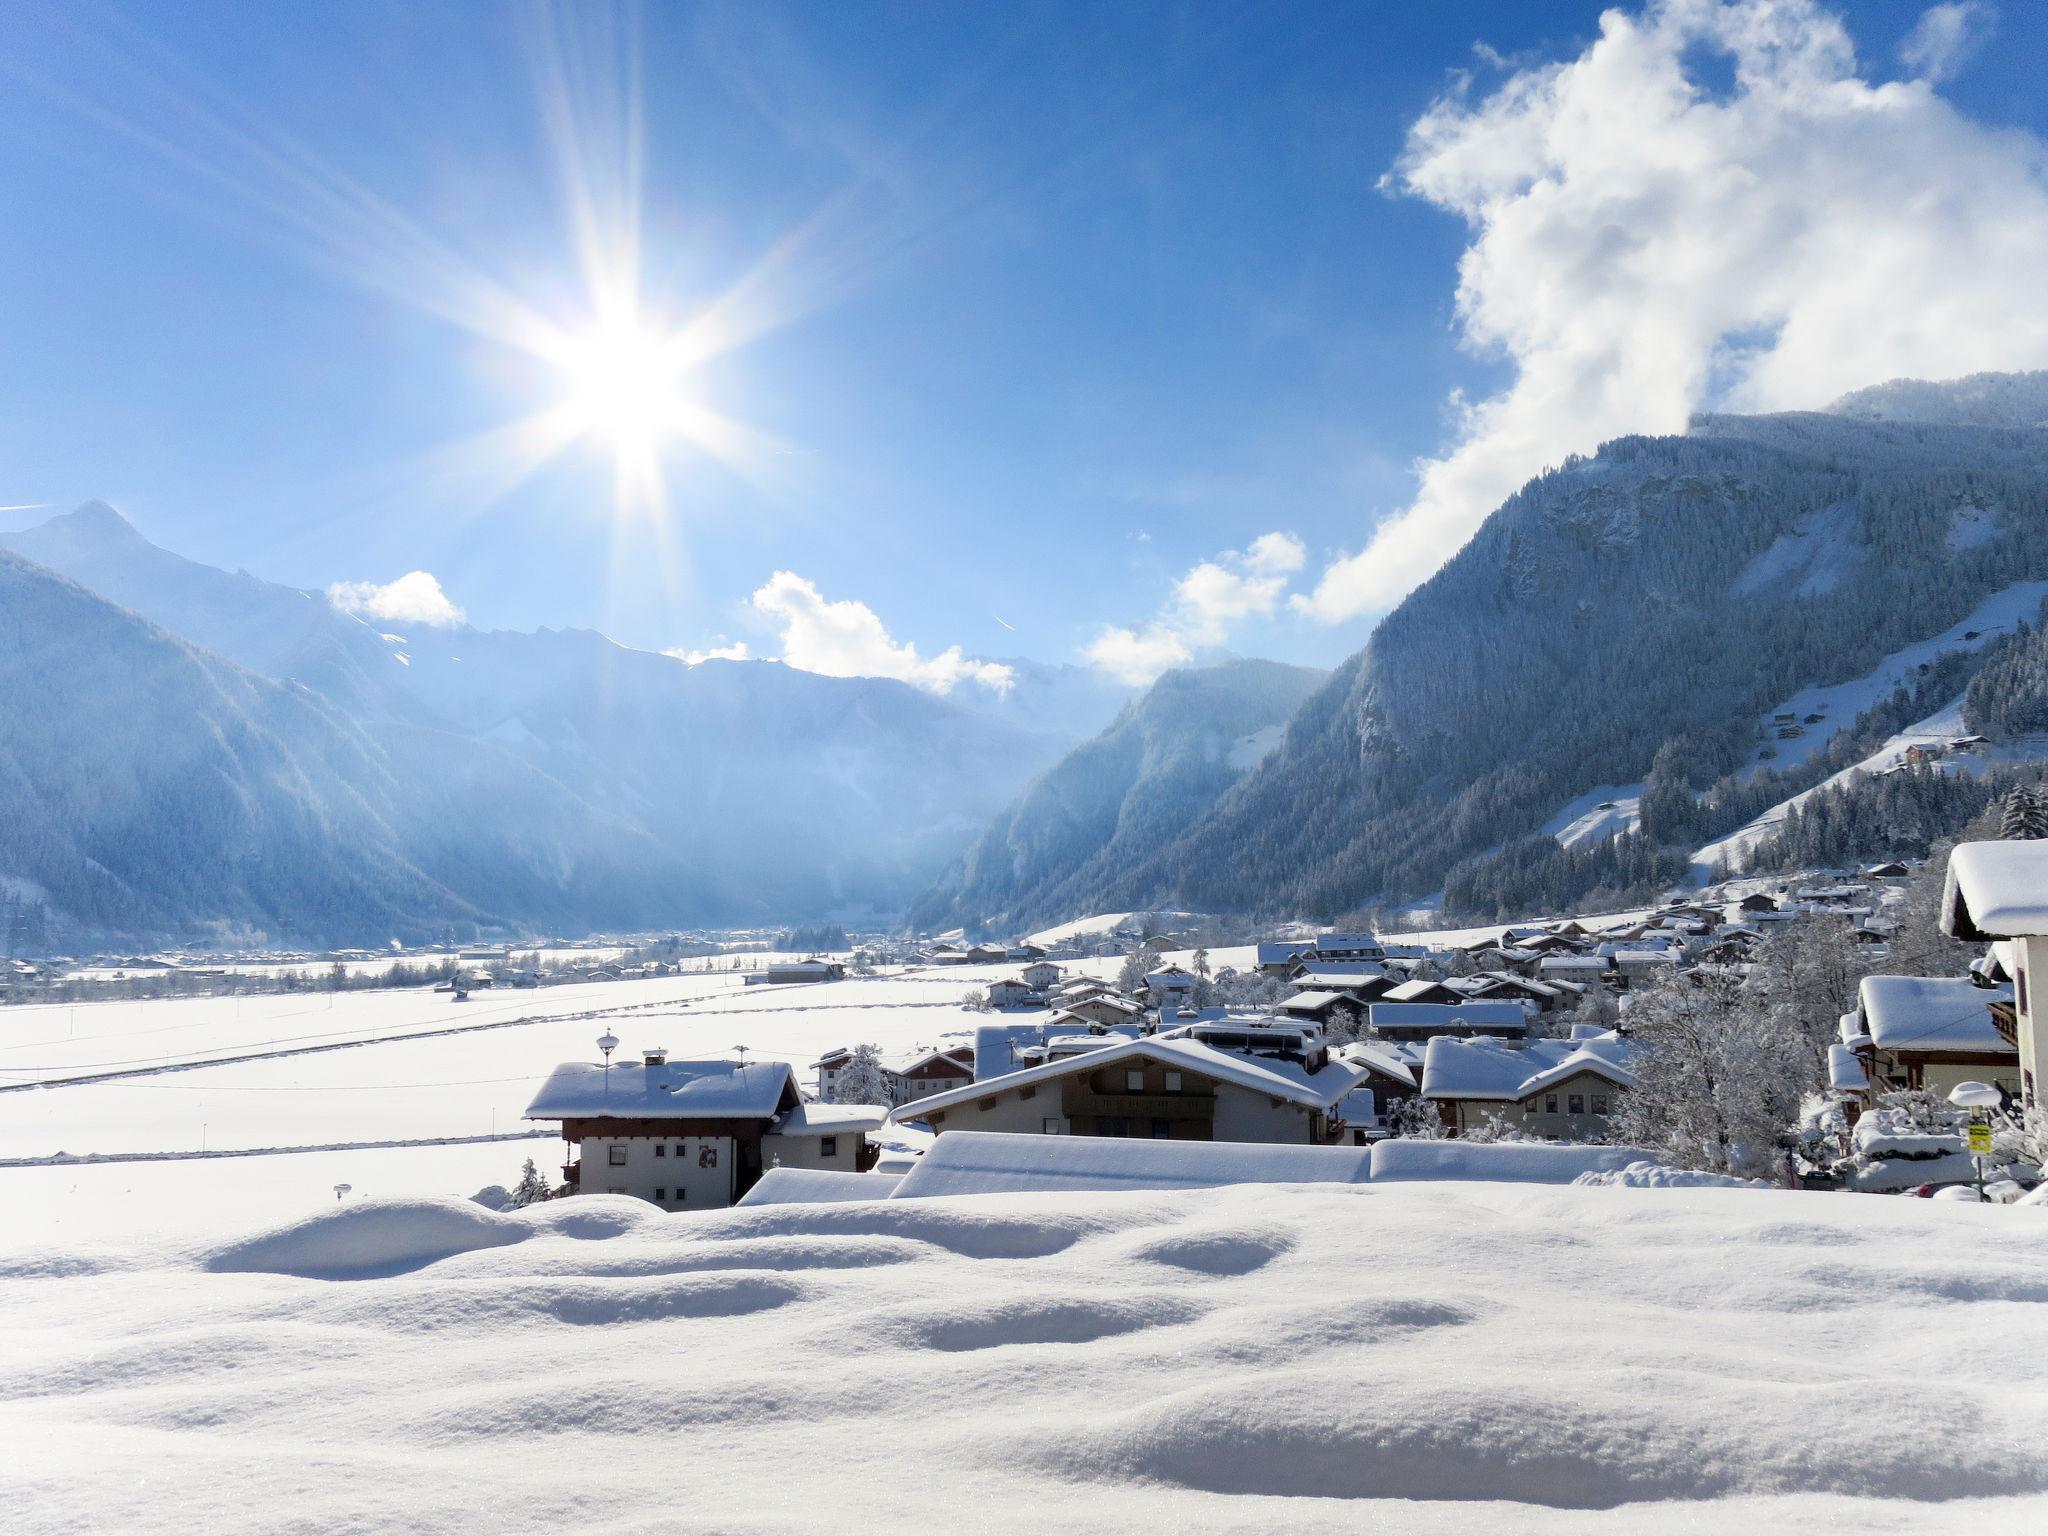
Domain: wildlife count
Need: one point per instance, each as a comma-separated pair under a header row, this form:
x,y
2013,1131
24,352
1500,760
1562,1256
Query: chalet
x,y
1319,1006
1997,892
1425,1021
1165,1087
1101,1008
1423,992
922,1071
1170,987
1579,968
1276,957
1392,1077
1348,946
1891,869
1362,982
791,972
1040,975
695,1135
1561,1090
1503,987
1934,1032
1013,992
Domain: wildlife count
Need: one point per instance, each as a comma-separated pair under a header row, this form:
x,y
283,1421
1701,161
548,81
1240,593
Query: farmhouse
x,y
694,1135
789,972
1165,1087
1561,1090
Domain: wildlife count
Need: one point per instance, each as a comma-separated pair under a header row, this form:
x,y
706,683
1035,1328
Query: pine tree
x,y
863,1080
531,1188
2025,815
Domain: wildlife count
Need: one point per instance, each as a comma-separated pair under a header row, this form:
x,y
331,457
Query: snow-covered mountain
x,y
553,778
1115,799
1625,627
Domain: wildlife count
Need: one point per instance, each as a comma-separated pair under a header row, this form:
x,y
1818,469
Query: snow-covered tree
x,y
863,1080
1415,1118
1345,1025
1721,1068
1130,977
1201,966
531,1188
2024,816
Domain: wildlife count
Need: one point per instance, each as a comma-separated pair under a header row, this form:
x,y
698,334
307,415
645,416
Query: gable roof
x,y
1473,1013
675,1090
1494,1069
1287,1080
1996,890
1932,1013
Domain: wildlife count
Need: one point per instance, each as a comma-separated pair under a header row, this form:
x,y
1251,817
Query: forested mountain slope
x,y
1625,616
1112,801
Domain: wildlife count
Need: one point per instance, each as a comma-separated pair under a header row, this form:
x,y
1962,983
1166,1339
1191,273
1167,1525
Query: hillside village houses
x,y
1997,893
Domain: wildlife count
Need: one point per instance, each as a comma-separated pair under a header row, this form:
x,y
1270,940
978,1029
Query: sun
x,y
624,383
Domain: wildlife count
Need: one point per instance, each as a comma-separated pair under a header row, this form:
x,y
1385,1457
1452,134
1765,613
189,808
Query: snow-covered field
x,y
1245,1359
359,1070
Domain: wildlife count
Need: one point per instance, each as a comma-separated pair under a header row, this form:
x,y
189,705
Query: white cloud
x,y
415,598
1945,37
737,651
847,639
1643,246
1211,600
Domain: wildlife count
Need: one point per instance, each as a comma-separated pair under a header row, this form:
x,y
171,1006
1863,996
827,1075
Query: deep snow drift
x,y
1593,1359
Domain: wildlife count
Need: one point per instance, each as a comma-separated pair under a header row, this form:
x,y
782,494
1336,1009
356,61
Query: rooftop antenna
x,y
743,1058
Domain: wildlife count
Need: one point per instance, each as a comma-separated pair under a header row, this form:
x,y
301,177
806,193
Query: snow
x,y
1499,1162
1600,813
1845,1070
1997,890
1970,527
1932,1013
1648,1175
1487,1068
1812,559
373,1238
1502,1017
819,1186
672,1090
989,1163
1319,1359
1247,752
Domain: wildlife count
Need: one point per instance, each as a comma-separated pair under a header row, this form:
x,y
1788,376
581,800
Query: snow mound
x,y
376,1237
818,1186
1505,1162
1658,1176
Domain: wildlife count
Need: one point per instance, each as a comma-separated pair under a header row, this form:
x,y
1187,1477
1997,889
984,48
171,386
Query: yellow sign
x,y
1980,1138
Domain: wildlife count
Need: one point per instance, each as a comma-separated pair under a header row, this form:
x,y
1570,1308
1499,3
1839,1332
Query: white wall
x,y
808,1151
691,1172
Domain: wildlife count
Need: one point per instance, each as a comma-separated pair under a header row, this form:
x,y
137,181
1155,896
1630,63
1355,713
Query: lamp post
x,y
607,1042
1979,1099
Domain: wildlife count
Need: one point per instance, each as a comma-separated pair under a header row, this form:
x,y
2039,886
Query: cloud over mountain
x,y
414,598
1649,238
846,638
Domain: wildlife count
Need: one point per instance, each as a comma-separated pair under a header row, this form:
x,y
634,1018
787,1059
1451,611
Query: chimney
x,y
658,1057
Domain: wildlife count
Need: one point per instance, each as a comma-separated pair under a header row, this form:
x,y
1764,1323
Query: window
x,y
1134,1080
1161,1129
1578,1103
661,1194
618,1158
1173,1082
661,1149
1052,1126
1550,1103
1599,1103
1028,1093
828,1146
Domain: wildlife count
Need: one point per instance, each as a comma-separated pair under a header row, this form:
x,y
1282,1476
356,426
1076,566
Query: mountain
x,y
558,779
1630,616
1167,758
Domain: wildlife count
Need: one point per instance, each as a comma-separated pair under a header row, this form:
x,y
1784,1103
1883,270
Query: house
x,y
1362,979
1319,1006
1560,1090
1170,987
1348,946
1158,1087
1392,1076
1425,1021
1276,957
922,1071
1423,992
1997,892
1933,1032
695,1135
790,972
1584,969
1040,975
1012,993
1101,1008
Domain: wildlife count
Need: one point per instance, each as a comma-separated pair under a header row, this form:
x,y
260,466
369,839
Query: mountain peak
x,y
1978,400
96,519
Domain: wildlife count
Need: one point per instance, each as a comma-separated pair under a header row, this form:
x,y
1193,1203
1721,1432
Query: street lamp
x,y
1979,1099
607,1042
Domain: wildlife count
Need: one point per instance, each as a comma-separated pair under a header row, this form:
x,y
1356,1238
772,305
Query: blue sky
x,y
1059,303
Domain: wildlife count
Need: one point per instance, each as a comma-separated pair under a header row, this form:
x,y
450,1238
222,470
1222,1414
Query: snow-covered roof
x,y
675,1090
992,1163
1996,890
1310,1000
818,1186
1327,942
1279,951
1357,1108
1377,1056
1495,1069
1573,964
1473,1014
814,1119
1504,1162
1288,1080
1413,991
1845,1070
1932,1013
